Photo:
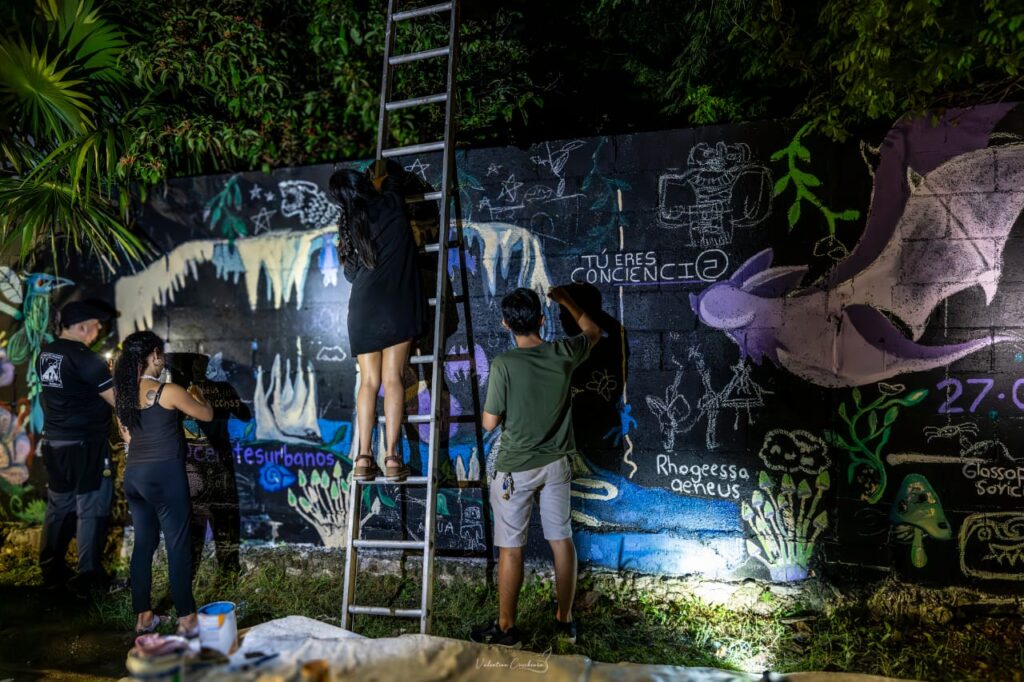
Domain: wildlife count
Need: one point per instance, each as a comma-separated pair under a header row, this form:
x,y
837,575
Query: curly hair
x,y
127,372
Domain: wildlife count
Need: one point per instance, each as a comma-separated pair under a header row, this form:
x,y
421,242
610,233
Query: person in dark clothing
x,y
386,308
210,464
77,393
155,484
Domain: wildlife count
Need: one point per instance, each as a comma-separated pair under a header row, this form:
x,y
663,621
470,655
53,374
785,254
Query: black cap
x,y
80,311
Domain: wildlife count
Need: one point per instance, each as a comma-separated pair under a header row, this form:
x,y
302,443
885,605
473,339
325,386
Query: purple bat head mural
x,y
944,231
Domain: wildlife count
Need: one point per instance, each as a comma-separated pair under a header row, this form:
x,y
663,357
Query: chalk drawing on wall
x,y
787,524
27,300
261,220
419,168
499,213
494,169
602,383
916,513
723,189
991,546
498,243
283,258
741,394
950,237
15,443
672,411
221,211
868,429
794,451
305,200
285,408
555,160
803,183
331,354
322,500
509,189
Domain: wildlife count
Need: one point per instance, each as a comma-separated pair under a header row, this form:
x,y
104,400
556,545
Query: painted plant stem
x,y
803,181
866,449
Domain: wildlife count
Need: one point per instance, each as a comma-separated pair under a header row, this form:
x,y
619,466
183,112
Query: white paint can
x,y
218,627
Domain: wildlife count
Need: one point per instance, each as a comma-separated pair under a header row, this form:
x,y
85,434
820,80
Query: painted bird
x,y
33,295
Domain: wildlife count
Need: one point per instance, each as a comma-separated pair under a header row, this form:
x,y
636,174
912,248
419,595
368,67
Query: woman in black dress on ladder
x,y
386,308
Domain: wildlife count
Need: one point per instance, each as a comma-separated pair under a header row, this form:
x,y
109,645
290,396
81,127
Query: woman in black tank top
x,y
155,483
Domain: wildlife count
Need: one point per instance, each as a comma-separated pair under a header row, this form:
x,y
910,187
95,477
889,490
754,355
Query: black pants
x,y
157,494
77,504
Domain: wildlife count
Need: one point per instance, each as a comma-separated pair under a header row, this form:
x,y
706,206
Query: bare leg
x,y
564,552
366,401
393,363
510,581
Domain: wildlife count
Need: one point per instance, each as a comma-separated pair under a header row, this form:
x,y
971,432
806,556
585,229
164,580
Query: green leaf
x,y
856,396
842,412
442,504
794,214
315,478
337,469
802,153
386,500
849,214
325,480
305,504
823,481
291,498
890,415
872,421
335,492
913,398
781,184
302,479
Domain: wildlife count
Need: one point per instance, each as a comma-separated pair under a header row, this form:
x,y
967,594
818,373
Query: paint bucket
x,y
218,628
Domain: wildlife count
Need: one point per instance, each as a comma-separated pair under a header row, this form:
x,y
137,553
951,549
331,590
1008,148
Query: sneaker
x,y
492,634
566,631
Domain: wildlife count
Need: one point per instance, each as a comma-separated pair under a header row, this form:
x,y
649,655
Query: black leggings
x,y
157,494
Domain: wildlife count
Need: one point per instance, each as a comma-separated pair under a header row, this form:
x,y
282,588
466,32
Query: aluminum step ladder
x,y
449,238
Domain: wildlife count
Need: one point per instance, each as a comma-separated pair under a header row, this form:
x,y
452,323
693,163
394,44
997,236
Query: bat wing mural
x,y
950,237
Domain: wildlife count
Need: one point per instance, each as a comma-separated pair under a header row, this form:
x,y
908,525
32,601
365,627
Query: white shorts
x,y
549,484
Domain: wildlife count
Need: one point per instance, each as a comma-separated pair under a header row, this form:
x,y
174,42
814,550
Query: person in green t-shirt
x,y
528,394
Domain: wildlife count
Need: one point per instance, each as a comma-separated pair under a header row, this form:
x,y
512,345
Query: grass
x,y
618,623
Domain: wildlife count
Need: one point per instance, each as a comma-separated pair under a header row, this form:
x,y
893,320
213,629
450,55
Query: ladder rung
x,y
410,419
419,198
418,56
409,480
435,247
421,359
389,544
421,11
415,102
384,611
455,299
424,148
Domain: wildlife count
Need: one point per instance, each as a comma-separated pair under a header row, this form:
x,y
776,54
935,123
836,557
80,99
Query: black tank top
x,y
158,437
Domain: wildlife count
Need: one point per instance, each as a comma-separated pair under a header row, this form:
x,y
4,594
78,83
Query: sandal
x,y
395,473
154,623
365,472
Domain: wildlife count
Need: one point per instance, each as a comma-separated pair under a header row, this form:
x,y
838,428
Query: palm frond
x,y
90,41
38,212
34,89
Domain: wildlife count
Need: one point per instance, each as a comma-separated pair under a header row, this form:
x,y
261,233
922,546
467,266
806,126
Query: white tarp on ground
x,y
419,658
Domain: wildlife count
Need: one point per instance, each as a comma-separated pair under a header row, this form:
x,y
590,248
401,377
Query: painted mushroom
x,y
917,511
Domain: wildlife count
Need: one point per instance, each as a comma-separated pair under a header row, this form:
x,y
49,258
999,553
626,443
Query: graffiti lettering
x,y
260,456
699,479
643,267
995,480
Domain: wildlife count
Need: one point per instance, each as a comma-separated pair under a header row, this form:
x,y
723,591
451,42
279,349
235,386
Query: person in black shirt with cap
x,y
77,396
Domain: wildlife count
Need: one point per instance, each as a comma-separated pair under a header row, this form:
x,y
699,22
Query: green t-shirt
x,y
529,387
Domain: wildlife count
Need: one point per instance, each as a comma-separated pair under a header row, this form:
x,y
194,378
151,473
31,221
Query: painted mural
x,y
813,356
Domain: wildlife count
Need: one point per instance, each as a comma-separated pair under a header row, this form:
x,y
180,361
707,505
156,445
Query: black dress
x,y
387,305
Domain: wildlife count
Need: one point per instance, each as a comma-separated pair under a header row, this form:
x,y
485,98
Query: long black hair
x,y
353,191
127,372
